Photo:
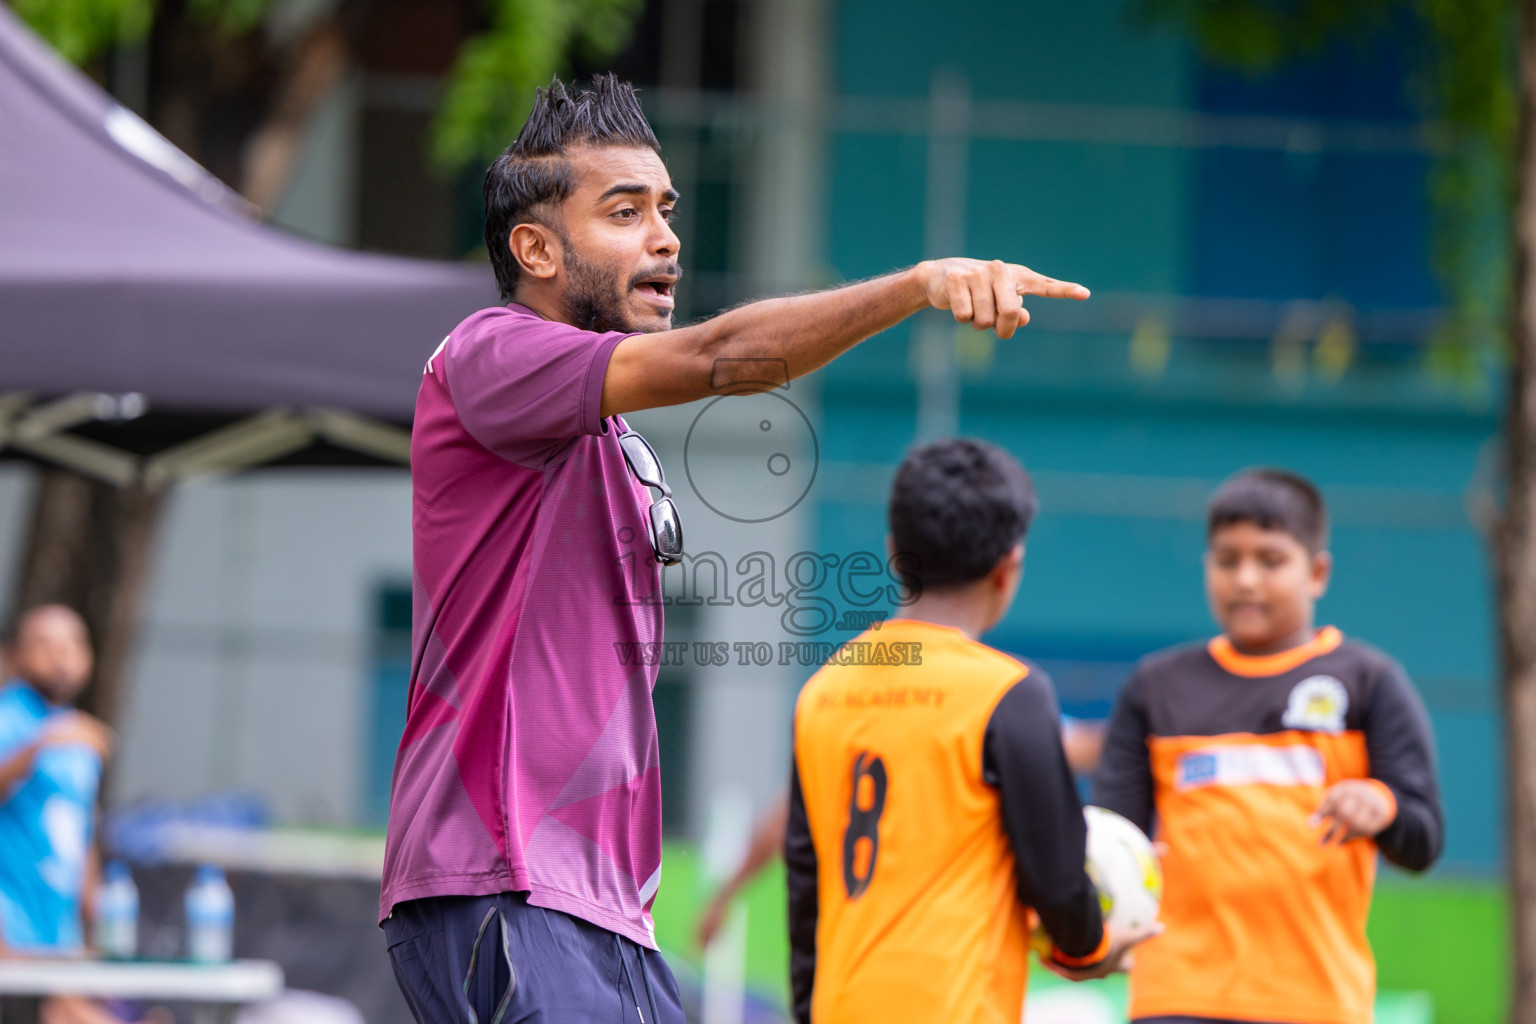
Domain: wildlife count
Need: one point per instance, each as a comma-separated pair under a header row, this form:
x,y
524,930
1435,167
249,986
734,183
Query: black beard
x,y
592,299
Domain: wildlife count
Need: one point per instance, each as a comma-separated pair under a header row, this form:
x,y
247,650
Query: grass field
x,y
1447,938
1443,938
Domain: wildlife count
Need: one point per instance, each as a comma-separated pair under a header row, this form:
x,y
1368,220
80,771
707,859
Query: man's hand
x,y
1352,809
1118,958
987,295
77,727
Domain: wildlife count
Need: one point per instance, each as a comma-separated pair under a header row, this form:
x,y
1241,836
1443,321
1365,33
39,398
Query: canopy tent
x,y
128,270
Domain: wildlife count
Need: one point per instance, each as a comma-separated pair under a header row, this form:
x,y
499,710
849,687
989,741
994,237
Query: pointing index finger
x,y
1031,283
1051,288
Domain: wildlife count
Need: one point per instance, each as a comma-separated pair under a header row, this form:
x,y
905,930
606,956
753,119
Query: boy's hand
x,y
1118,958
1352,809
710,921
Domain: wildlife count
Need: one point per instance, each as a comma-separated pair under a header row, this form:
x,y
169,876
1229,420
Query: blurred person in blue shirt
x,y
51,758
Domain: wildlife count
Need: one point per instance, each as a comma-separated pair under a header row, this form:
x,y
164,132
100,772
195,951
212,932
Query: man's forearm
x,y
798,333
809,331
15,769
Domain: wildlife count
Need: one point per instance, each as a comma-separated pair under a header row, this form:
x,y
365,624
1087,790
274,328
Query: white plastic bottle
x,y
117,913
210,917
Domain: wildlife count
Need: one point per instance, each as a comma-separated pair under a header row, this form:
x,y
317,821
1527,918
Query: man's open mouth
x,y
660,288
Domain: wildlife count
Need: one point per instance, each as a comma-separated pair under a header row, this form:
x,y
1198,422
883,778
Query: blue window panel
x,y
1111,217
1357,79
1061,53
876,198
1471,746
1281,226
390,680
391,685
1423,596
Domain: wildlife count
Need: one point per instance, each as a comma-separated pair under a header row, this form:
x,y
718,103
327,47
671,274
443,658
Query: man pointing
x,y
524,846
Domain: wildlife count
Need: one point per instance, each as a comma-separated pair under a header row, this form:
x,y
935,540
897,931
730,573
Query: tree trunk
x,y
310,76
1517,545
90,548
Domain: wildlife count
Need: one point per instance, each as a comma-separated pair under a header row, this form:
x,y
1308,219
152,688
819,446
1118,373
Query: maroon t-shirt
x,y
529,760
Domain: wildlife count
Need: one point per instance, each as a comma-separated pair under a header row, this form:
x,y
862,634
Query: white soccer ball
x,y
1124,868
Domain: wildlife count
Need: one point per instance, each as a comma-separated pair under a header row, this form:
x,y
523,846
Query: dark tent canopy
x,y
127,268
132,279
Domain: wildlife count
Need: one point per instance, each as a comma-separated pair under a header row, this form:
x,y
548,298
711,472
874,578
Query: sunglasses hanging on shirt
x,y
665,526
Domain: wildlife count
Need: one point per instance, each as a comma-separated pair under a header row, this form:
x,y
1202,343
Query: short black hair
x,y
533,173
1271,499
957,506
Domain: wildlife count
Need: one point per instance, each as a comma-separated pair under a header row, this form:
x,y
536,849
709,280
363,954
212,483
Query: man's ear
x,y
1322,573
536,249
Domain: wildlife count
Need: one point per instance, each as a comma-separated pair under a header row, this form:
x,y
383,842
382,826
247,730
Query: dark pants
x,y
497,960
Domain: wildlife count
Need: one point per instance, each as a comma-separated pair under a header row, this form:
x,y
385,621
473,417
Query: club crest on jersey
x,y
1317,703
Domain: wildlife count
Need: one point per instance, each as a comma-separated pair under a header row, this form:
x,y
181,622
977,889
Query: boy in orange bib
x,y
931,805
1276,761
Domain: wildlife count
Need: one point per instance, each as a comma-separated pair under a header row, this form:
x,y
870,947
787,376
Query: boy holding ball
x,y
1276,761
931,808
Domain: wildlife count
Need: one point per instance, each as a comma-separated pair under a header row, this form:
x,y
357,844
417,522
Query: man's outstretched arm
x,y
805,332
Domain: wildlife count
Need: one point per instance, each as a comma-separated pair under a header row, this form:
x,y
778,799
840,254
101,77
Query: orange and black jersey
x,y
930,805
1229,755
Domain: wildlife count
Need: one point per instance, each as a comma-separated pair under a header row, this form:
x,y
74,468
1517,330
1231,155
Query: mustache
x,y
669,268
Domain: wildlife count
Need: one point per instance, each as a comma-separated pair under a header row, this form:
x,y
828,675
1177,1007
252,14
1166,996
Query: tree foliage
x,y
528,43
83,29
488,92
232,16
1260,36
1468,83
1464,83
